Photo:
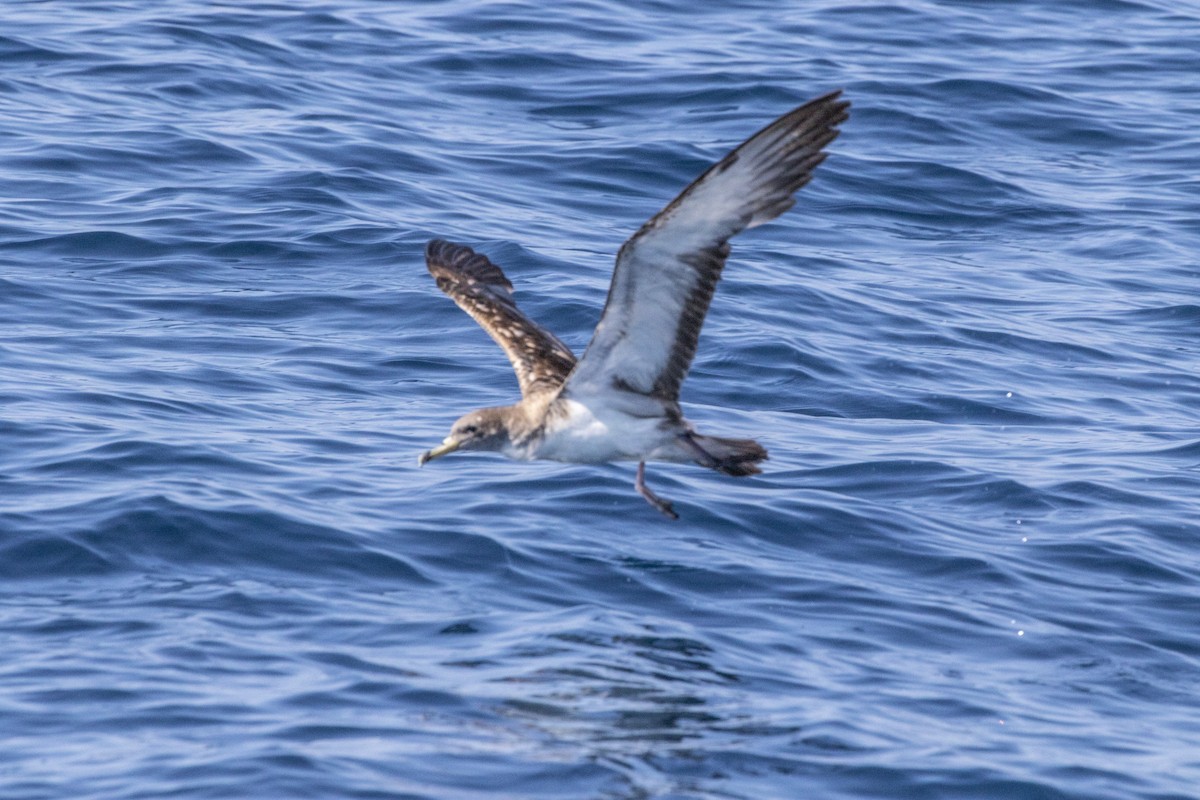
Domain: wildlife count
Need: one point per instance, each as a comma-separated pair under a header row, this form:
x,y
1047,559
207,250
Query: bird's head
x,y
479,430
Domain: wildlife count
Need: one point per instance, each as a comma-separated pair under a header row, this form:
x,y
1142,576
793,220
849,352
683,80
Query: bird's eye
x,y
470,430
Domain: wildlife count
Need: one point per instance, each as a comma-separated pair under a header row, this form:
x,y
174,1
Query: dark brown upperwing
x,y
479,287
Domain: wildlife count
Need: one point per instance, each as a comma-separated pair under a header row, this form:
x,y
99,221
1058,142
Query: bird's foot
x,y
662,505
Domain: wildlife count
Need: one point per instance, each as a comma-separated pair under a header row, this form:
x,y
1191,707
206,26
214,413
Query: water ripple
x,y
969,569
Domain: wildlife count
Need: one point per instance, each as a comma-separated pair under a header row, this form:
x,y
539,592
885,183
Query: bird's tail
x,y
729,456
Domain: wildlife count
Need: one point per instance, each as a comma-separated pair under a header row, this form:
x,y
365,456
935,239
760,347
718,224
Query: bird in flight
x,y
620,400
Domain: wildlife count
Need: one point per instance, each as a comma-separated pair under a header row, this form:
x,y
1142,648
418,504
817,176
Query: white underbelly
x,y
601,433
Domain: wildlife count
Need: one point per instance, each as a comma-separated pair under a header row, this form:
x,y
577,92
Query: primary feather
x,y
479,287
666,273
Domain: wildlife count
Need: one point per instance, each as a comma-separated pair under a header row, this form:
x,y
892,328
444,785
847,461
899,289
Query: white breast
x,y
595,432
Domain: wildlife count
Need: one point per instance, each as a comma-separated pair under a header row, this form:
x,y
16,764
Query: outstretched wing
x,y
479,287
667,272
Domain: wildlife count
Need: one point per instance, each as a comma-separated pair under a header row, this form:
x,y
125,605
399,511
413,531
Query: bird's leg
x,y
640,484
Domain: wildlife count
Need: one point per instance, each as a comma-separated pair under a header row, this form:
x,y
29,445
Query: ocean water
x,y
970,570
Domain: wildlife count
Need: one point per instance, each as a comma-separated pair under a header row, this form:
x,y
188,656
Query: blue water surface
x,y
970,570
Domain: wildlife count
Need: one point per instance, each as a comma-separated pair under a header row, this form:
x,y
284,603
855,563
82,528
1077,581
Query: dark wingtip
x,y
834,111
448,252
832,99
447,259
440,250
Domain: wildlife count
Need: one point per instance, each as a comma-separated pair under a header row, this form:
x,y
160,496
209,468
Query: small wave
x,y
156,535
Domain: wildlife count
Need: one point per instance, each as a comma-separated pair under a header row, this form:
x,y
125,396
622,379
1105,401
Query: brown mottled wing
x,y
667,272
479,287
